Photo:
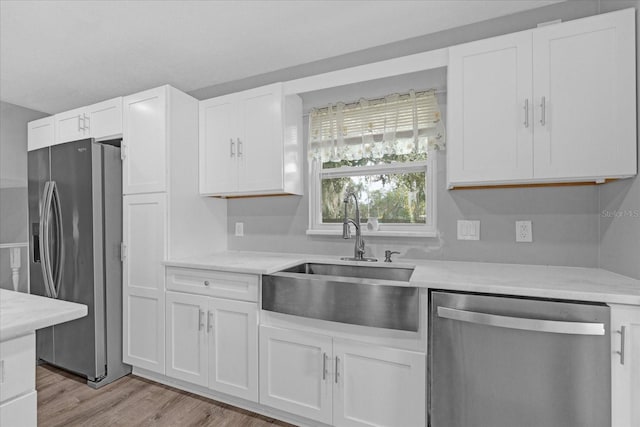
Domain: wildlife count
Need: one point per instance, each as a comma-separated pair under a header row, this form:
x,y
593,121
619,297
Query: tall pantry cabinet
x,y
163,214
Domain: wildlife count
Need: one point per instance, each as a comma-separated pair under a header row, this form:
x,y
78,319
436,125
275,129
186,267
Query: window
x,y
382,150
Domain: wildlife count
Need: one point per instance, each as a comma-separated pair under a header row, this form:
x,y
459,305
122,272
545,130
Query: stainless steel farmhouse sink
x,y
361,295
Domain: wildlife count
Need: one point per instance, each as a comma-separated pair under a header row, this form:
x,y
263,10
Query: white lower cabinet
x,y
296,372
20,412
378,386
213,342
625,365
186,337
341,382
18,382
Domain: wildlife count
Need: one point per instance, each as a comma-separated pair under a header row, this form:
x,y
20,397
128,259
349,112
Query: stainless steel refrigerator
x,y
75,218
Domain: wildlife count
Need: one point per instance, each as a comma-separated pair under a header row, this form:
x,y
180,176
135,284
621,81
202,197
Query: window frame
x,y
429,166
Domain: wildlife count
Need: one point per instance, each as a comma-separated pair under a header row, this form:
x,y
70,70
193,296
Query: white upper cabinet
x,y
40,133
104,119
144,145
251,143
490,93
100,120
584,82
552,104
69,125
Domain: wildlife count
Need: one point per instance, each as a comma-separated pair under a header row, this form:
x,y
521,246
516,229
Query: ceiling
x,y
57,55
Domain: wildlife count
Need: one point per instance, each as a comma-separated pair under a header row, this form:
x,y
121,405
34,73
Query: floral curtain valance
x,y
396,124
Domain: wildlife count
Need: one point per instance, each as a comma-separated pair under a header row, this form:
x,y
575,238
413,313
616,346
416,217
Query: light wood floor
x,y
65,400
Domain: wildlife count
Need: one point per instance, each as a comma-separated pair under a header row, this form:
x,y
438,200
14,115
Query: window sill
x,y
386,233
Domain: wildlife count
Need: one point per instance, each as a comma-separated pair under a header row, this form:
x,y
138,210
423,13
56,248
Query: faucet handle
x,y
387,255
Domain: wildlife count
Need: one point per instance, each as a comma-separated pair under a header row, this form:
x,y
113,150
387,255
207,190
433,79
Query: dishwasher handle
x,y
538,325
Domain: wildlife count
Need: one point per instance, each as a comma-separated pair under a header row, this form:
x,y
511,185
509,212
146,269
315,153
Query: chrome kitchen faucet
x,y
359,249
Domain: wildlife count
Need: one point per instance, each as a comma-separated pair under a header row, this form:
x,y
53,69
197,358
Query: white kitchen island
x,y
20,316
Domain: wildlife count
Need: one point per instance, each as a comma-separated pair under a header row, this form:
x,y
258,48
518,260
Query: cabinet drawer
x,y
213,283
17,367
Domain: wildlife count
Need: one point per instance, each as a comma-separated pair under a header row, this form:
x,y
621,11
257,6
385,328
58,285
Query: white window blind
x,y
395,124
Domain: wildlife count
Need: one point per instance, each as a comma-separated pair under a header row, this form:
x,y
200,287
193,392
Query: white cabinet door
x,y
218,145
40,133
144,225
489,129
233,347
378,386
295,372
70,126
186,337
104,119
250,143
144,145
584,85
625,365
260,146
21,411
17,373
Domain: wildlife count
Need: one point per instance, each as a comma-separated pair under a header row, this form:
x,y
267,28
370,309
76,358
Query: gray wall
x,y
566,220
13,186
620,201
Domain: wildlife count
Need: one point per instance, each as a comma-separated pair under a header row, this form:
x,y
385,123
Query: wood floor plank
x,y
66,400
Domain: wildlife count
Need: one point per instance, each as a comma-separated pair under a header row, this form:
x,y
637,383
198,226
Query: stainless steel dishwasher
x,y
498,361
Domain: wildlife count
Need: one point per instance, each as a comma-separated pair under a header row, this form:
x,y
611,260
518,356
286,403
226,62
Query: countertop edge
x,y
25,328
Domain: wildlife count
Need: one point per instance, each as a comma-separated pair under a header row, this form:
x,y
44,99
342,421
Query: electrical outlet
x,y
524,232
239,229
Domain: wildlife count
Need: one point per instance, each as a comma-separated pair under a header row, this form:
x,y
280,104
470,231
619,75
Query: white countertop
x,y
573,283
22,313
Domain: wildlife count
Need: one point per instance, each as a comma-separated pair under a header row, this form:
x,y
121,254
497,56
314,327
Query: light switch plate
x,y
239,229
468,230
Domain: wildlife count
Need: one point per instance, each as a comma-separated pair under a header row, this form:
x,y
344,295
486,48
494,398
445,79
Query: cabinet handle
x,y
209,320
543,111
526,113
337,372
80,119
206,283
231,148
87,122
239,148
622,333
200,321
324,366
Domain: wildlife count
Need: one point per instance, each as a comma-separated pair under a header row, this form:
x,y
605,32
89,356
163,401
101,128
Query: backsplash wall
x,y
565,226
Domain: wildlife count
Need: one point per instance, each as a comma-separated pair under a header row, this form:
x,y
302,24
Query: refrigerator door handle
x,y
538,325
44,239
57,209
